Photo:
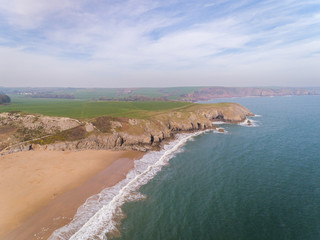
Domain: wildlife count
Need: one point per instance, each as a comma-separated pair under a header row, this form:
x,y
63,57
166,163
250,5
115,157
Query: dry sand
x,y
43,189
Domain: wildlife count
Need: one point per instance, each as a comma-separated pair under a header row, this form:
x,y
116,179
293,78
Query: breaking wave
x,y
218,122
220,130
99,217
249,123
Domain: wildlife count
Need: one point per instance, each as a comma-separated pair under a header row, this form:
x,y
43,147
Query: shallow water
x,y
259,182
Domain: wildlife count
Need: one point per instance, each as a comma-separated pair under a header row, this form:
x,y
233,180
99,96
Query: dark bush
x,y
4,99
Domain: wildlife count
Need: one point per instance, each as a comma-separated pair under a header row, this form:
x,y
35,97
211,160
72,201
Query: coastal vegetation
x,y
81,109
72,134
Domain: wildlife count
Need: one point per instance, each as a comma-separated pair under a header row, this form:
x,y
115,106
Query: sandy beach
x,y
41,190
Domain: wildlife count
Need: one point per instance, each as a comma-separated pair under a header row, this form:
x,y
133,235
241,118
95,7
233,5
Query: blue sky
x,y
102,43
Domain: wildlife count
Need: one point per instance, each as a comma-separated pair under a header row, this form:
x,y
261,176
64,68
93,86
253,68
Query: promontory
x,y
147,130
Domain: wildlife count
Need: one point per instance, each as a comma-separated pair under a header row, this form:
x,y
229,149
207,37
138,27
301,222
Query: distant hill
x,y
190,94
4,99
228,92
48,95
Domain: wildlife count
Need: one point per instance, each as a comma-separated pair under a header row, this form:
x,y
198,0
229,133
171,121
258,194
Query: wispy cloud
x,y
221,42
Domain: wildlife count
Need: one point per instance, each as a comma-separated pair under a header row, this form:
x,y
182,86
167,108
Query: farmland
x,y
83,109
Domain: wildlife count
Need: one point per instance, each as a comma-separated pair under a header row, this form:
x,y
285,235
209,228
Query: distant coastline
x,y
189,94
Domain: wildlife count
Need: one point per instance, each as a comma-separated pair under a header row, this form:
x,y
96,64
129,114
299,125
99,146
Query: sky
x,y
150,43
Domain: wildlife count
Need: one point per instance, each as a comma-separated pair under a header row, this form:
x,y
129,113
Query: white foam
x,y
249,123
219,122
101,214
221,132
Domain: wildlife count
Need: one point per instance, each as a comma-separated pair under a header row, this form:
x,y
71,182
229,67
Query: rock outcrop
x,y
47,124
128,133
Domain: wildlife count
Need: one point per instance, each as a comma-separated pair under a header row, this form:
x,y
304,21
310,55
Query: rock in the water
x,y
221,130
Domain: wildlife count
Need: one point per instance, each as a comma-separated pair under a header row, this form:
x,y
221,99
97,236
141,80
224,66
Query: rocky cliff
x,y
122,133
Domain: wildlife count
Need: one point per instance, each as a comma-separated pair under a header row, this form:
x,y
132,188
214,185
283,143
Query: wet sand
x,y
41,191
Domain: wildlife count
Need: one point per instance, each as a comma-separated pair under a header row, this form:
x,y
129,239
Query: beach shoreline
x,y
42,190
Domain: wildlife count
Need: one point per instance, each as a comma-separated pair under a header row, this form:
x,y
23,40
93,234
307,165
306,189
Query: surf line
x,y
100,218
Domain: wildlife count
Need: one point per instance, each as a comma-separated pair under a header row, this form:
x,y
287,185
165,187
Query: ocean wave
x,y
249,123
99,217
218,122
220,130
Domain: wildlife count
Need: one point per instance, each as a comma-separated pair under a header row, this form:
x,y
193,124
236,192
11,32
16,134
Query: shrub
x,y
4,99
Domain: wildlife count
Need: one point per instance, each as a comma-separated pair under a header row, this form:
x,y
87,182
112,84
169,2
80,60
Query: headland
x,y
51,164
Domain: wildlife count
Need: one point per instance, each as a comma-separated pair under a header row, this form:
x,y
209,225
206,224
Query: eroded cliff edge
x,y
20,132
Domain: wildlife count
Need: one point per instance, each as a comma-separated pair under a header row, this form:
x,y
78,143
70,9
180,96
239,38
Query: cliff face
x,y
138,134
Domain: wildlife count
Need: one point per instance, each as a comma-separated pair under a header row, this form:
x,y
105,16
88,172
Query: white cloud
x,y
145,41
30,14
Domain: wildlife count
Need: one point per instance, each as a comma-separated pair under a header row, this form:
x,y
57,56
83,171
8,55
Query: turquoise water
x,y
252,183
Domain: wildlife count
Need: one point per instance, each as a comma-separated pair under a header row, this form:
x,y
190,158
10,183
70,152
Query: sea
x,y
251,182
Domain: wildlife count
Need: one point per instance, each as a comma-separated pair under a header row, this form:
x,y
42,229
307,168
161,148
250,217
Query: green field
x,y
172,93
82,109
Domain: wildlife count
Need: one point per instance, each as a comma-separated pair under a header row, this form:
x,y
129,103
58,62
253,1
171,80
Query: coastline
x,y
106,221
121,178
42,190
62,209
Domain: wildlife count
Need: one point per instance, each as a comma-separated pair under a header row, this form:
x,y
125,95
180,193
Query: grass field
x,y
172,93
82,109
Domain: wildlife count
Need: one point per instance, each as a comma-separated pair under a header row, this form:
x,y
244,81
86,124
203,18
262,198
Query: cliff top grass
x,y
81,109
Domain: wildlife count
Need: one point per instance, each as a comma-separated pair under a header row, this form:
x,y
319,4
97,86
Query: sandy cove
x,y
42,190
